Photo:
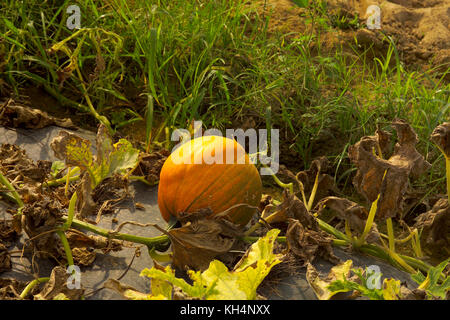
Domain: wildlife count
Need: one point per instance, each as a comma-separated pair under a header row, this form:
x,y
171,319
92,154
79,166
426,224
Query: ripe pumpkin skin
x,y
190,187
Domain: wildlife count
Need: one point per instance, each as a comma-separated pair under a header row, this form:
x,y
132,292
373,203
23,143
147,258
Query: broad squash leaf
x,y
431,283
217,282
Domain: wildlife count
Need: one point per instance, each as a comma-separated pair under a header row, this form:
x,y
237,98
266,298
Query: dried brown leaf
x,y
81,240
5,258
441,137
39,219
83,256
325,182
293,208
8,234
57,285
307,244
16,116
387,178
85,205
10,289
436,225
345,209
17,166
150,165
199,241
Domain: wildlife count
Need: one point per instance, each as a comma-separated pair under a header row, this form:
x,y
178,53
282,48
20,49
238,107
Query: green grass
x,y
167,63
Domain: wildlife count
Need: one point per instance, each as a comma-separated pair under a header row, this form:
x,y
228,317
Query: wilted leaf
x,y
83,256
350,211
80,240
74,150
38,219
17,166
325,181
321,286
391,289
129,292
150,165
121,158
387,178
441,137
5,259
16,116
57,285
110,158
197,242
436,225
218,283
293,208
85,205
308,244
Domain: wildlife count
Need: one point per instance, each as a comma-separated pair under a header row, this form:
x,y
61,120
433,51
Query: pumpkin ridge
x,y
237,195
208,187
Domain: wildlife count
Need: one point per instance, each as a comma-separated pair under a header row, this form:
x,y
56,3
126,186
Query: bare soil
x,y
420,28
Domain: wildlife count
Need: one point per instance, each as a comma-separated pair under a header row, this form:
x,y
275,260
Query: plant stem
x,y
288,186
11,188
57,182
391,238
66,246
31,285
313,192
369,222
155,242
70,212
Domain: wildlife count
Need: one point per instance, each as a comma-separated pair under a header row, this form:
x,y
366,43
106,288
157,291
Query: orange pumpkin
x,y
209,172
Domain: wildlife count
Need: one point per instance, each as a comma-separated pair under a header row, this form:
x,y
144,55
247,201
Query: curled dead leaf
x,y
5,258
83,256
436,226
307,244
57,285
441,137
17,166
16,116
200,240
326,183
8,234
10,289
81,240
293,208
150,165
387,179
39,220
85,205
347,210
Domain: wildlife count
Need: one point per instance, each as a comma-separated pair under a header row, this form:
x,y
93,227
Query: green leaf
x,y
197,290
110,158
122,157
57,166
431,283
